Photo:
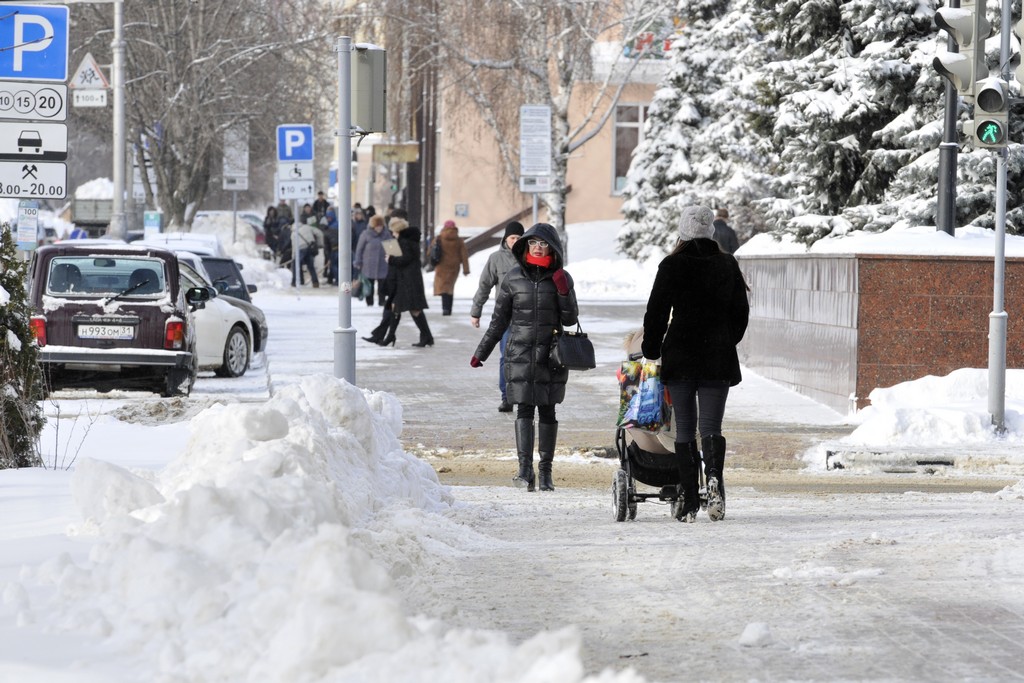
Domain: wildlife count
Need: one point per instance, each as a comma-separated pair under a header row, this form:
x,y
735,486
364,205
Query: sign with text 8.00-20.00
x,y
27,152
33,180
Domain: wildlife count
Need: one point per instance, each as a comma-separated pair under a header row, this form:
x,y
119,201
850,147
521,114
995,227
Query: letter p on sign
x,y
295,142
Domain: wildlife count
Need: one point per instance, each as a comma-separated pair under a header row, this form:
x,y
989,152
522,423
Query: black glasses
x,y
537,243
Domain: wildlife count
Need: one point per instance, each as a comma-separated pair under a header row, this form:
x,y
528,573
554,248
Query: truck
x,y
93,215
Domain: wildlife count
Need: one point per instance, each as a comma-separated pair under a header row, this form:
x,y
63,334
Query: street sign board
x,y
35,38
535,183
238,183
402,153
294,189
88,75
295,142
32,140
535,140
33,101
33,180
295,170
89,98
28,224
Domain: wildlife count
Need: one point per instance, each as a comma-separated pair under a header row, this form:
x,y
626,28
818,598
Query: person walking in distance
x,y
405,278
370,260
453,255
725,236
696,315
498,263
307,243
535,298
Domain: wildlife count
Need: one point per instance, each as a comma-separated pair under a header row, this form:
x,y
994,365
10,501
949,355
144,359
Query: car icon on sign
x,y
30,141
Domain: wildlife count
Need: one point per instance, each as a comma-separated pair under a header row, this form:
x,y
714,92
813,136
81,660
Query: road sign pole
x,y
345,334
117,226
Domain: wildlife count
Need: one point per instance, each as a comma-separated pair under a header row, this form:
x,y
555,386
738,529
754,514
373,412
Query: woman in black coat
x,y
405,286
534,299
701,290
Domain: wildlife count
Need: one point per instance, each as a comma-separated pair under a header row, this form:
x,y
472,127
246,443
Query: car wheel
x,y
236,354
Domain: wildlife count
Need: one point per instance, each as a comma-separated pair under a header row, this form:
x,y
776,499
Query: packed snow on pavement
x,y
292,539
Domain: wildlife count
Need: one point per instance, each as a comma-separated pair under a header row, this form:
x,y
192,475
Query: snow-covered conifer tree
x,y
21,417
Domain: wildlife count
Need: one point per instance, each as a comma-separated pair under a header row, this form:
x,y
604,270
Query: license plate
x,y
106,332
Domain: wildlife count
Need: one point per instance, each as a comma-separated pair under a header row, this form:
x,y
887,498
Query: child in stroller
x,y
649,458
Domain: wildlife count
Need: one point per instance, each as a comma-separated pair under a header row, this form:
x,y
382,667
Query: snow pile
x,y
949,413
268,550
97,188
918,240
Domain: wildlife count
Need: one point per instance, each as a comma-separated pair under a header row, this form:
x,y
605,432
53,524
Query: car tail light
x,y
38,326
175,335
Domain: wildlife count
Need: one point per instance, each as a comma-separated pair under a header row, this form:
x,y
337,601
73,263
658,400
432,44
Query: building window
x,y
629,131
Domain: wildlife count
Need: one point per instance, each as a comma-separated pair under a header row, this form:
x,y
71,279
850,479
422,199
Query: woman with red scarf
x,y
534,299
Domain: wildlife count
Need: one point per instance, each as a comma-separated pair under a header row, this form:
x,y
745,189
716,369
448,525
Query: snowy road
x,y
910,587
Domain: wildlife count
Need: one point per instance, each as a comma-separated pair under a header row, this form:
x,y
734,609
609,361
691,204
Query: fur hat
x,y
514,228
696,222
397,225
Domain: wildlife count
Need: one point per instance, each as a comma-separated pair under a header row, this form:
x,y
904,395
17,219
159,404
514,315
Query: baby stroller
x,y
649,458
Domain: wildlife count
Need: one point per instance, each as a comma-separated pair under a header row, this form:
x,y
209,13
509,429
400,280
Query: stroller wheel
x,y
620,495
631,501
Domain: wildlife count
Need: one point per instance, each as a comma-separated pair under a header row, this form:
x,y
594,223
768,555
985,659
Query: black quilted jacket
x,y
528,302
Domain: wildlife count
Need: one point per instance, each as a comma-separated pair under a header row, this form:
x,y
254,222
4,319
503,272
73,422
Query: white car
x,y
223,334
196,242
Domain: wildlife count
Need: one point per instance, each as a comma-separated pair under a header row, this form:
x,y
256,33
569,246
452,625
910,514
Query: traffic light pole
x,y
945,219
998,318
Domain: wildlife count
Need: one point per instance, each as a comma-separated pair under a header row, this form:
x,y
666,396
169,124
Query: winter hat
x,y
514,228
397,225
696,222
449,224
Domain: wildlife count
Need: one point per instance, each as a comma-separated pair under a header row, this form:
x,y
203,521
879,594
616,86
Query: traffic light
x,y
991,112
968,28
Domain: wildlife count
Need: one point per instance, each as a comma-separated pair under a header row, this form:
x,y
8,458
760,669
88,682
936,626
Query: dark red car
x,y
114,316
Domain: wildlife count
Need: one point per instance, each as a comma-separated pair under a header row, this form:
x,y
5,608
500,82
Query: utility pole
x,y
945,210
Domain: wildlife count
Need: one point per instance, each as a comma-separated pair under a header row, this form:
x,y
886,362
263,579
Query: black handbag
x,y
571,350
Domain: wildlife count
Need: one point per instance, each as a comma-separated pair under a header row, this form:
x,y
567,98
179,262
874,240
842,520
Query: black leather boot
x,y
524,449
688,462
426,339
378,332
389,336
446,304
547,435
714,466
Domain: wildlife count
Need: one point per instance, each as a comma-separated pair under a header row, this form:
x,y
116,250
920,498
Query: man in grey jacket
x,y
498,264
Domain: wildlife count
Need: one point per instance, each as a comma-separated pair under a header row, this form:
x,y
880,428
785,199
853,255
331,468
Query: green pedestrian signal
x,y
990,133
991,113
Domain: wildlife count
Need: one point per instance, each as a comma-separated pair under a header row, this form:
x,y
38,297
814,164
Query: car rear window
x,y
89,276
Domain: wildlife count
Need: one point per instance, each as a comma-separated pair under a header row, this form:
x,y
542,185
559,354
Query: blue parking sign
x,y
295,142
35,42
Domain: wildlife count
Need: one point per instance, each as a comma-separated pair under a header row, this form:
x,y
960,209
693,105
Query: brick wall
x,y
834,327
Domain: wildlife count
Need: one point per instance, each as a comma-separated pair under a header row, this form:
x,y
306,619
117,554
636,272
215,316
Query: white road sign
x,y
295,170
294,189
33,101
535,140
540,183
88,75
32,140
33,180
89,98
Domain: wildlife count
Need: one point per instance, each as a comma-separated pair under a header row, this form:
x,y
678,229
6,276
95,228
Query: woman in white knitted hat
x,y
696,315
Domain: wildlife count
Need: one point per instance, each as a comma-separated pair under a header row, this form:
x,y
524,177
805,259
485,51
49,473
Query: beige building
x,y
470,185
